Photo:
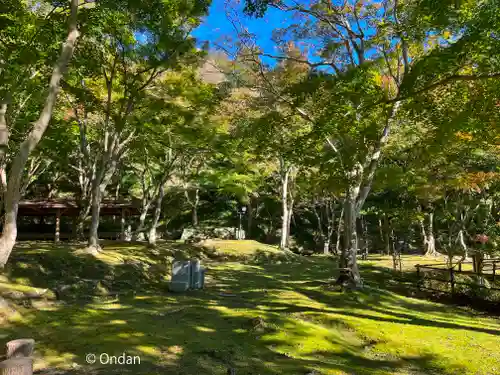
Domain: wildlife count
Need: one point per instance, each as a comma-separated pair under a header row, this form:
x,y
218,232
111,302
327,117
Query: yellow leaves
x,y
477,180
386,82
465,136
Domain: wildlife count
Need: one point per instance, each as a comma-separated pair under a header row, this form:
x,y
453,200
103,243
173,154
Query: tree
x,y
13,188
143,42
372,58
183,107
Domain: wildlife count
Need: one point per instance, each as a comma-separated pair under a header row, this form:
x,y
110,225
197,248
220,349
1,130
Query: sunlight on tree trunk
x,y
340,228
156,218
348,258
13,193
93,242
430,242
287,177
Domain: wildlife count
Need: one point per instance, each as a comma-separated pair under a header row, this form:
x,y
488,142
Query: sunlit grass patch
x,y
242,247
269,318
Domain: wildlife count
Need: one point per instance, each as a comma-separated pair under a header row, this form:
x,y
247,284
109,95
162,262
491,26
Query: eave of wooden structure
x,y
70,208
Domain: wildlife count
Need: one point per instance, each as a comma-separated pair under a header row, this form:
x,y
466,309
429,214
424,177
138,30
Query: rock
x,y
36,293
200,234
42,304
226,233
101,290
62,291
154,251
258,324
3,304
187,233
14,294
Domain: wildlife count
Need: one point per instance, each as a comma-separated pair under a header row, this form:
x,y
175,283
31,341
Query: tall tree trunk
x,y
4,144
324,237
381,230
82,216
339,231
461,242
289,222
194,211
156,217
423,235
194,216
249,218
284,207
393,250
364,235
100,182
387,235
330,214
138,234
348,257
93,242
431,241
13,193
359,233
360,183
193,203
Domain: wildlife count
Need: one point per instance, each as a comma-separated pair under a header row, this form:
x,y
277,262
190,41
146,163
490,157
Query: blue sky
x,y
216,25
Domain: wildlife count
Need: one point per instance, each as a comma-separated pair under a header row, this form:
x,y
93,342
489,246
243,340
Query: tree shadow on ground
x,y
194,333
257,328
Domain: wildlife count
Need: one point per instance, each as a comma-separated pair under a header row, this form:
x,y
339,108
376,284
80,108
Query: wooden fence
x,y
448,275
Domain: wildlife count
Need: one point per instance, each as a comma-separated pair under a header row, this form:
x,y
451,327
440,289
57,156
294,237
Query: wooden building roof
x,y
69,207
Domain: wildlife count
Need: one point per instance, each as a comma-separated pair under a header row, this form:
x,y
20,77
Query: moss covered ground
x,y
262,312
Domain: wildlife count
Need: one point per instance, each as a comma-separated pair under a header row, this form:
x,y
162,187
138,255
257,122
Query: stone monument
x,y
187,275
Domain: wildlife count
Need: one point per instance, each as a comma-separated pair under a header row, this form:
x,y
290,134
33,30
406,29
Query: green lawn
x,y
277,315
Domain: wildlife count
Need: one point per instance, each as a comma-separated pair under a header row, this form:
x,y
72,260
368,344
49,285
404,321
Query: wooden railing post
x,y
460,266
494,270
